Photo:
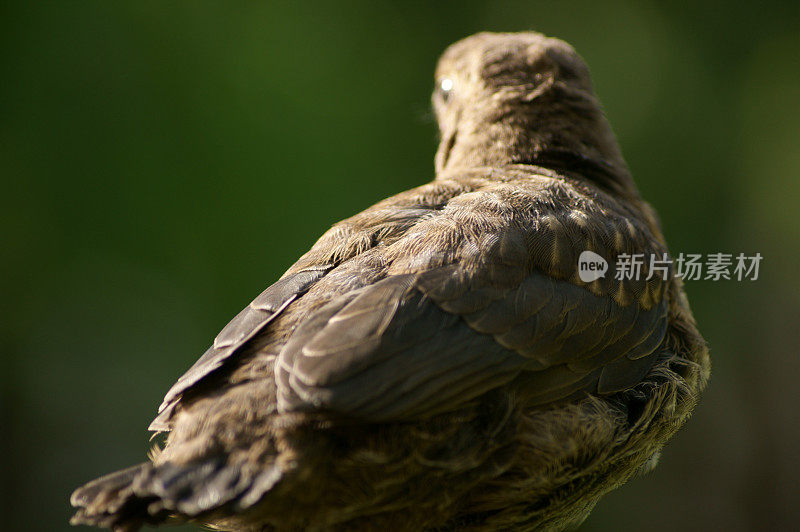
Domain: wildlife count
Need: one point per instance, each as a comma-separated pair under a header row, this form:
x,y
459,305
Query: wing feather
x,y
264,308
394,351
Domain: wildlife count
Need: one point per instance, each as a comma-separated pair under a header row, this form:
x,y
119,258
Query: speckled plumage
x,y
435,362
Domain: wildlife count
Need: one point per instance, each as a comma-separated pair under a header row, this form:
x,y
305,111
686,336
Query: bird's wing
x,y
244,326
473,299
384,222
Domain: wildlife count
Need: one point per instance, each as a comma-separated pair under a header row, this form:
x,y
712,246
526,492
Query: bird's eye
x,y
445,89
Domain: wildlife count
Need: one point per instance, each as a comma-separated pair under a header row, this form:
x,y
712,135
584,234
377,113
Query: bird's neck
x,y
578,141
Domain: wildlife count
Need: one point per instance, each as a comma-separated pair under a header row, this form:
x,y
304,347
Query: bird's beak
x,y
445,147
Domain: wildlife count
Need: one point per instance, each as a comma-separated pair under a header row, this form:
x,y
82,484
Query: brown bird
x,y
436,361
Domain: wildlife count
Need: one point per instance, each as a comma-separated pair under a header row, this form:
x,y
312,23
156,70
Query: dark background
x,y
163,162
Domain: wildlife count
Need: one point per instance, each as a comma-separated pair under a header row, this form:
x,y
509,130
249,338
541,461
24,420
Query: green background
x,y
163,162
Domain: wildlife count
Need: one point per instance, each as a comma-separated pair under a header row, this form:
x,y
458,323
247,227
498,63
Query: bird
x,y
437,361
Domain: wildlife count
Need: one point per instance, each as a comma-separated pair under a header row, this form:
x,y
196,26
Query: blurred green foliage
x,y
162,162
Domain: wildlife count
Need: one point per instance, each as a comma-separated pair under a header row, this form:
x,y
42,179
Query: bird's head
x,y
520,98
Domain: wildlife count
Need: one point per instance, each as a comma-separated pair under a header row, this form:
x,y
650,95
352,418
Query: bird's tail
x,y
111,502
154,494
